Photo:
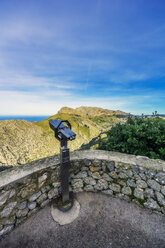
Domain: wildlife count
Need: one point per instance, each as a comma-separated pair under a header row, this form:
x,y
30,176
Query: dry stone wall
x,y
25,189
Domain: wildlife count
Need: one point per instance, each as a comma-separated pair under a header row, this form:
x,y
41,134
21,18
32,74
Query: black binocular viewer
x,y
64,133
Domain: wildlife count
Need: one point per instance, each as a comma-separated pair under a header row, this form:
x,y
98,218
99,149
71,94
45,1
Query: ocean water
x,y
23,117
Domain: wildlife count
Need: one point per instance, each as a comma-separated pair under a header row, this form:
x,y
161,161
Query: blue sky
x,y
105,53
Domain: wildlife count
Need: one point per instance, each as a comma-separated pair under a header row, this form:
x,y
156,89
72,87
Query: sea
x,y
30,118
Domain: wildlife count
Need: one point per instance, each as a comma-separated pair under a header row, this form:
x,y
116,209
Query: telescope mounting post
x,y
64,170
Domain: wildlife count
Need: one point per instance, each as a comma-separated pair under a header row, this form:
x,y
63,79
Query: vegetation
x,y
22,141
139,136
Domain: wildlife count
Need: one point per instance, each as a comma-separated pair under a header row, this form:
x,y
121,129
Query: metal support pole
x,y
64,173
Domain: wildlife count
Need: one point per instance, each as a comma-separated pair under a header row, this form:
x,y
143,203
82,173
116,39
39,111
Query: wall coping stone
x,y
18,172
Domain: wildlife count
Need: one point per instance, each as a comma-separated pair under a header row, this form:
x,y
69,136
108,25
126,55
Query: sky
x,y
103,53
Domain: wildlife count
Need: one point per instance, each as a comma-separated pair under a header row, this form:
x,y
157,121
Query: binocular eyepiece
x,y
62,131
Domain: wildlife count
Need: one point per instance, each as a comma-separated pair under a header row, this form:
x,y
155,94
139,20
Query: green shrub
x,y
137,136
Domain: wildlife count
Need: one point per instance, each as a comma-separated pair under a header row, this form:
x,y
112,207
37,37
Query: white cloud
x,y
21,103
48,103
10,78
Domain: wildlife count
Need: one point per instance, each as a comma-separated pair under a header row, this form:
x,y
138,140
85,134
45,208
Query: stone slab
x,y
64,218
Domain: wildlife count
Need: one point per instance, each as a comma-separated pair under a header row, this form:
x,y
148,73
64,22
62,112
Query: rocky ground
x,y
103,222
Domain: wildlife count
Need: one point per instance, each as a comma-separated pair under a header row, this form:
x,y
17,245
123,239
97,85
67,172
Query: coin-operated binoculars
x,y
63,133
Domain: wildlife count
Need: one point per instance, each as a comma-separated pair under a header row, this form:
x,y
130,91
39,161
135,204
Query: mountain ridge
x,y
91,111
22,141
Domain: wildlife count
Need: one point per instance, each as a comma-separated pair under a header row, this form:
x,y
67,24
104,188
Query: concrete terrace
x,y
104,222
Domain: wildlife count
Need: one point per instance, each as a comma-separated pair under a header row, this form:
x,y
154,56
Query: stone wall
x,y
25,189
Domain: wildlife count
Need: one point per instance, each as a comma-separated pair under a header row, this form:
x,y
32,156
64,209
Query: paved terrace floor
x,y
103,222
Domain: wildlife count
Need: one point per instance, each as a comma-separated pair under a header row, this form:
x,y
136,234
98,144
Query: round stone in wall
x,y
153,184
126,190
138,193
111,166
141,184
151,204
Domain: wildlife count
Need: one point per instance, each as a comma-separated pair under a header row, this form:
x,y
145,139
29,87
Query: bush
x,y
137,136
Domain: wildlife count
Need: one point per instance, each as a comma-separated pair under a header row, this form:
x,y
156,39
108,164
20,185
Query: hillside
x,y
91,111
22,141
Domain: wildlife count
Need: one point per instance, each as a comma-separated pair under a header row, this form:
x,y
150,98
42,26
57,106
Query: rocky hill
x,y
22,141
91,111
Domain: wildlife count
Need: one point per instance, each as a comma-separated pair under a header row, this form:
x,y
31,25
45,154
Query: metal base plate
x,y
64,207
